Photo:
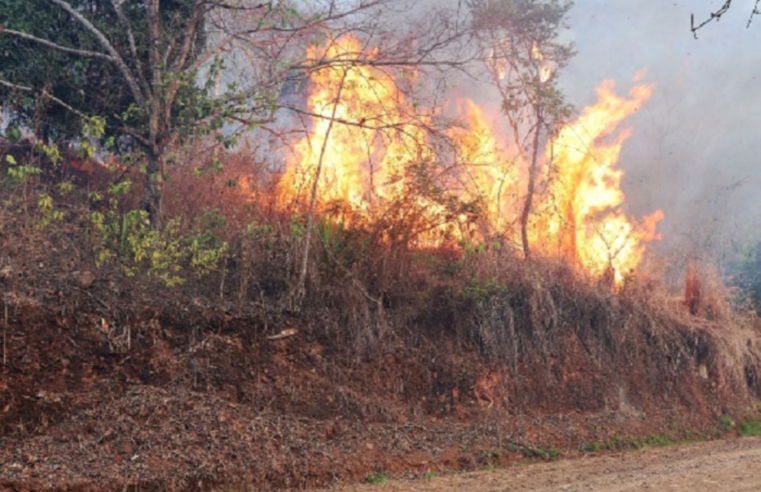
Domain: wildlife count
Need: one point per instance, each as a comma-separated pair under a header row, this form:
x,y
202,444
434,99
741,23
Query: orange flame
x,y
373,141
489,176
378,136
587,223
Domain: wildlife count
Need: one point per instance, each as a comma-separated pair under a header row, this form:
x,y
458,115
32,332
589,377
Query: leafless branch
x,y
188,36
132,46
300,292
716,16
239,8
132,133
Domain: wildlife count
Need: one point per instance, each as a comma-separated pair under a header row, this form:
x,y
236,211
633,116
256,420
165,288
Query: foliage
x,y
525,55
19,174
377,478
74,69
750,428
81,81
47,207
126,239
746,275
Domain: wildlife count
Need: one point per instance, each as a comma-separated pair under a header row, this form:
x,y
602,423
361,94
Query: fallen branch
x,y
284,334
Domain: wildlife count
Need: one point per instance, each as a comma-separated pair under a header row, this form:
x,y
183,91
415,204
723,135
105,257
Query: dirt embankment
x,y
93,397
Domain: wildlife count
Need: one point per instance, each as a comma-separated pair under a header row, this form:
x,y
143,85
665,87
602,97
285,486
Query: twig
x,y
5,335
300,290
755,12
45,94
719,13
116,58
284,334
49,44
94,298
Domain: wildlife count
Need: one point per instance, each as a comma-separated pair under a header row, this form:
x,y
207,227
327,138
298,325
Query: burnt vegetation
x,y
170,322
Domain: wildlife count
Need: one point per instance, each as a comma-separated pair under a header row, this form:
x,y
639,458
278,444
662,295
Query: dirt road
x,y
721,466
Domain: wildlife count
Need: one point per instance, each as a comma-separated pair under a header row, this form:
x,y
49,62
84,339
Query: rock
x,y
86,279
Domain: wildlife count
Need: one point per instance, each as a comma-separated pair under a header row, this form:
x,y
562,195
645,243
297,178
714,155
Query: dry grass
x,y
539,319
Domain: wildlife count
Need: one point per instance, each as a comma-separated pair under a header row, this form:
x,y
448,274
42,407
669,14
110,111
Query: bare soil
x,y
196,400
719,466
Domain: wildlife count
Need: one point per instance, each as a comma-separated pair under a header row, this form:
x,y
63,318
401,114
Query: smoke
x,y
694,148
695,144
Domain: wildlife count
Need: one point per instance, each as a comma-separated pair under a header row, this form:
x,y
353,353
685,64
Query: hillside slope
x,y
98,394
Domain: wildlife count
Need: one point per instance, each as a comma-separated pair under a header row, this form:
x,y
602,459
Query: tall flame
x,y
378,137
490,177
586,223
363,156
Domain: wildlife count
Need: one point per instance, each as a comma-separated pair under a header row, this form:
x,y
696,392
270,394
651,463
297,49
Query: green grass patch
x,y
726,423
491,454
750,428
617,443
548,453
377,478
591,447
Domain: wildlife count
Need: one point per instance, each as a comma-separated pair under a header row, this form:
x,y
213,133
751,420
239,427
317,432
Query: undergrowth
x,y
370,290
377,478
618,443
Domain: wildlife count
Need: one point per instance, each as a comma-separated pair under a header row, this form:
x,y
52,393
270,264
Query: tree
x,y
377,63
147,71
524,57
131,67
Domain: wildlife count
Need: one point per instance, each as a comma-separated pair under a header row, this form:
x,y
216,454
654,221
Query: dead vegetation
x,y
416,359
327,272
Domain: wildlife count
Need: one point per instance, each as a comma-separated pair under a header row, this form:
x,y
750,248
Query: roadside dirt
x,y
718,466
198,400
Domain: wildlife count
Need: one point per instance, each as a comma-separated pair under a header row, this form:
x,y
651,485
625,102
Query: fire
x,y
364,156
545,70
367,158
587,224
490,178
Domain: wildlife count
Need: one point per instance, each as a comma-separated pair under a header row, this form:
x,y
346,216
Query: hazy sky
x,y
696,147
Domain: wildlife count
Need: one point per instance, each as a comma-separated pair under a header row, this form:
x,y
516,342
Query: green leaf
x,y
13,133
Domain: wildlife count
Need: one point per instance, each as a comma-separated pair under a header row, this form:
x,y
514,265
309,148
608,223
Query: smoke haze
x,y
695,147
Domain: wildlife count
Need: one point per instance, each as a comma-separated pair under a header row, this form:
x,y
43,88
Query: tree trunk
x,y
528,203
301,285
153,189
155,170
